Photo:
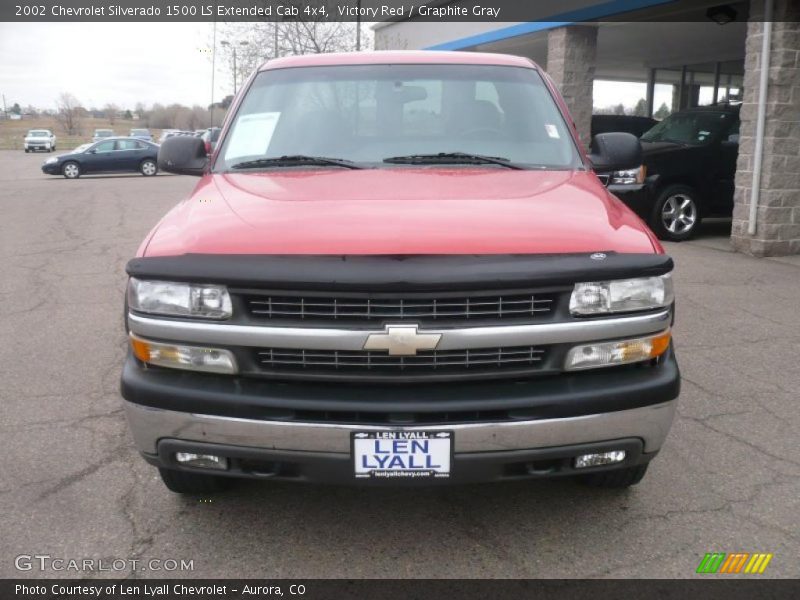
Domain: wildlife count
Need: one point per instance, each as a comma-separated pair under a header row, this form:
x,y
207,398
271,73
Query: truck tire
x,y
676,214
618,478
182,482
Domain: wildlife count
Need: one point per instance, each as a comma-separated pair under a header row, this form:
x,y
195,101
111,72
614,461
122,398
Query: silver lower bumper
x,y
650,423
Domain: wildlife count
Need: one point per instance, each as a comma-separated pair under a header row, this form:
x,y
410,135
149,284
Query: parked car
x,y
210,137
113,155
174,133
165,133
632,124
688,171
382,293
141,134
102,134
40,139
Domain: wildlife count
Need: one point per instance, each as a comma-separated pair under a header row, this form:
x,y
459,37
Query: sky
x,y
126,63
100,63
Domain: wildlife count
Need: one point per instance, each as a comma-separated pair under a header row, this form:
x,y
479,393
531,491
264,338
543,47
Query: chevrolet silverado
x,y
396,268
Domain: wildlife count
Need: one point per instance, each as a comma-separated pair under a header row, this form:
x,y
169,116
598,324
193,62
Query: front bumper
x,y
321,452
51,169
630,409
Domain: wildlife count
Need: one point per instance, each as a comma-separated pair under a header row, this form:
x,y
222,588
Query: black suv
x,y
687,173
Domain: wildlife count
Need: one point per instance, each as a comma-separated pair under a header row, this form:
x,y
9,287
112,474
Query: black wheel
x,y
182,482
71,170
618,478
676,214
148,167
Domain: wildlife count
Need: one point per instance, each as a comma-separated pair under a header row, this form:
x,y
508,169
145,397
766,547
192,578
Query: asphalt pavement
x,y
72,486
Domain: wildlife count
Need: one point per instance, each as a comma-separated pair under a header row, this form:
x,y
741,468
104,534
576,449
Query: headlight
x,y
629,176
51,160
190,358
179,299
610,354
621,295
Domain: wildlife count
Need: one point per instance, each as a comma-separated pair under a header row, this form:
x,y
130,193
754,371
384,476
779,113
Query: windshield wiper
x,y
452,158
295,160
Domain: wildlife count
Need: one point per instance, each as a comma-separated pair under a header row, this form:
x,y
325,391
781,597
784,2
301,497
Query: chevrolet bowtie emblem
x,y
402,340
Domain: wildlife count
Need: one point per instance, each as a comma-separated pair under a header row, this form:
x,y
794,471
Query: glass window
x,y
104,147
366,113
128,145
690,127
733,132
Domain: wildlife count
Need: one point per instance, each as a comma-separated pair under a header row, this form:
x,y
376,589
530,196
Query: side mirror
x,y
615,152
184,155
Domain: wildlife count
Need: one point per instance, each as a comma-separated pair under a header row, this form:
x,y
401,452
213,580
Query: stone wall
x,y
778,219
571,54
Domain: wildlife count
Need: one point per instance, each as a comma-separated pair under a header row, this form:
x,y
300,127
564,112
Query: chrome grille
x,y
431,362
322,308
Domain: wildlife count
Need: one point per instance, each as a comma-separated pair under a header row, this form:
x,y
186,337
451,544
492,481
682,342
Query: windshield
x,y
38,134
369,113
694,128
81,148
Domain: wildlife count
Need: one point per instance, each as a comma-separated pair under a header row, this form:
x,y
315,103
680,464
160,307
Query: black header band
x,y
399,273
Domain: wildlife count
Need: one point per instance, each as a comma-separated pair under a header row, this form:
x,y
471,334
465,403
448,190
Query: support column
x,y
571,54
651,92
778,201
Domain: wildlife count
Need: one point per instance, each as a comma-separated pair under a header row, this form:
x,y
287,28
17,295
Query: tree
x,y
662,112
16,109
128,115
619,109
69,113
257,42
640,110
111,110
140,110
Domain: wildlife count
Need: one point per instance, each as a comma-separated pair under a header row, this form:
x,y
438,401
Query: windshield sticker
x,y
551,130
252,134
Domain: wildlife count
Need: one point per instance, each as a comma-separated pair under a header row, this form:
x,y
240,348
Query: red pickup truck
x,y
399,268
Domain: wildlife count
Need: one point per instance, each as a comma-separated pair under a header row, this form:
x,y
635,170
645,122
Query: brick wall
x,y
571,53
778,220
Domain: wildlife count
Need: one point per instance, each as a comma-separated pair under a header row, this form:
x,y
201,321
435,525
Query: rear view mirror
x,y
409,93
184,155
615,152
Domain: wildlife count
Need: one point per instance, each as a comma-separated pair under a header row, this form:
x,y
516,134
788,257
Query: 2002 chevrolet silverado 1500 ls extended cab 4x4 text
x,y
399,267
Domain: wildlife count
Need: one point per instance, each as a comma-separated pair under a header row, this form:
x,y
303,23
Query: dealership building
x,y
693,52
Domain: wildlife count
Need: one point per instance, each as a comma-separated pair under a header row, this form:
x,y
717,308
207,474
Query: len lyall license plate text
x,y
412,454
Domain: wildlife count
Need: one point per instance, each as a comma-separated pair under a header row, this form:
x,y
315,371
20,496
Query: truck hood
x,y
651,149
400,211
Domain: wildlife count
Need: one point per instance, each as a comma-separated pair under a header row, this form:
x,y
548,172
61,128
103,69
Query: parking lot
x,y
72,485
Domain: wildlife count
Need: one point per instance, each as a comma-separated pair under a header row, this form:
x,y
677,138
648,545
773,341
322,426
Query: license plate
x,y
402,454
